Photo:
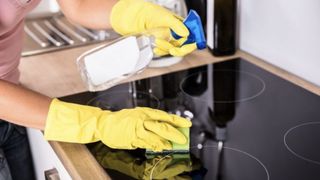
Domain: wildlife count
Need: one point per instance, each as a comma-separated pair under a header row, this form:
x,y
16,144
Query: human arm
x,y
67,122
94,14
22,106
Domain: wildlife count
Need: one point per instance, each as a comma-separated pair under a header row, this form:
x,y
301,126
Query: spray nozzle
x,y
194,25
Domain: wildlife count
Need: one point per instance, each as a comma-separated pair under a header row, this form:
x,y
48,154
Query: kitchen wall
x,y
286,33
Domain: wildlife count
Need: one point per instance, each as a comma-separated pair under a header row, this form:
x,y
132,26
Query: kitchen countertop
x,y
55,75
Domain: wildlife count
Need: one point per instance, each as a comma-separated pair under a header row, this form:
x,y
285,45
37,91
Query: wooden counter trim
x,y
195,59
78,161
189,63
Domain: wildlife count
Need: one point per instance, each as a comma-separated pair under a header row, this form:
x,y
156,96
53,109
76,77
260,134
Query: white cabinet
x,y
44,158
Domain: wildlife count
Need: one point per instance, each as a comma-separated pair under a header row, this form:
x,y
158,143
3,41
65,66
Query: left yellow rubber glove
x,y
125,129
138,16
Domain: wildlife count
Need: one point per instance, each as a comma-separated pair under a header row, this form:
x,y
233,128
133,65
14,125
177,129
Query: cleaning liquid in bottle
x,y
109,64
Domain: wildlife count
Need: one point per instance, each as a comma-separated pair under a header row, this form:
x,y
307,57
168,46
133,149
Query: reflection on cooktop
x,y
253,87
247,124
123,99
135,164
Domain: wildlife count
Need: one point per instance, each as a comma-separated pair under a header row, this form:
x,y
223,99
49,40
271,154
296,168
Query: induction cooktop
x,y
248,124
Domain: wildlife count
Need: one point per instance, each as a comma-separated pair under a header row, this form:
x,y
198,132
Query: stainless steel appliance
x,y
248,124
53,32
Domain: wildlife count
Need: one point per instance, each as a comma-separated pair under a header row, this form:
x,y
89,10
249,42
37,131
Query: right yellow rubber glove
x,y
125,129
138,16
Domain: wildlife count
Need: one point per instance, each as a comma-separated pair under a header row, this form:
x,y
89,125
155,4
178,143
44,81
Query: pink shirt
x,y
12,13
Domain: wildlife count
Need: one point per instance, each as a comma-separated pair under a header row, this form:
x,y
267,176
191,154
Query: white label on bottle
x,y
210,23
111,62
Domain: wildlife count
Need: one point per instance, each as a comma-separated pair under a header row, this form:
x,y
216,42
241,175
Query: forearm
x,y
93,14
22,106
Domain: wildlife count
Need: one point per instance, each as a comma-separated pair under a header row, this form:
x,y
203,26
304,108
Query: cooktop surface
x,y
248,124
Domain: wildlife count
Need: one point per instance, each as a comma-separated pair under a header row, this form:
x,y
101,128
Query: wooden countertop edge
x,y
81,164
188,62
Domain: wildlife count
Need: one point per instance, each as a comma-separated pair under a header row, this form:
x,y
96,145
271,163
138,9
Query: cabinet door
x,y
44,158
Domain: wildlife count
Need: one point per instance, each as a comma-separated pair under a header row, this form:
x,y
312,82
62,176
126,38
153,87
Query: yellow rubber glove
x,y
125,129
138,16
159,167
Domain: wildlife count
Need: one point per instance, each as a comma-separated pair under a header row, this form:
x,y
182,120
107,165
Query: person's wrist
x,y
103,125
70,122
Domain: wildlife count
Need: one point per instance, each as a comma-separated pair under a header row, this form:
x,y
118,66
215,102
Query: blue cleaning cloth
x,y
194,25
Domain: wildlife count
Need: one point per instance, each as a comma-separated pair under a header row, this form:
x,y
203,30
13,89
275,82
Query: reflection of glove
x,y
125,129
138,16
141,168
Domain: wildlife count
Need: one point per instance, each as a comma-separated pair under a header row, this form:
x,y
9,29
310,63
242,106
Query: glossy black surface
x,y
266,127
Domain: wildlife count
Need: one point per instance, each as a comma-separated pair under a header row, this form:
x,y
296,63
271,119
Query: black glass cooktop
x,y
248,124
